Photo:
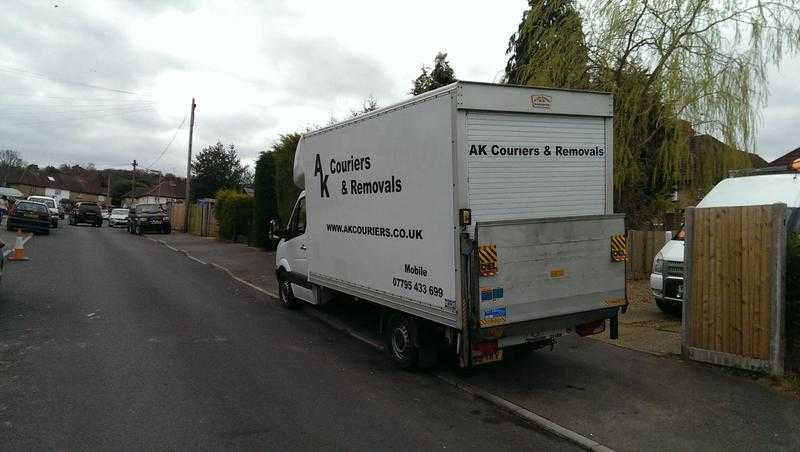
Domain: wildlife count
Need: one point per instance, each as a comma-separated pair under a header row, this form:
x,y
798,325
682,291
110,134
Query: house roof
x,y
92,183
169,188
705,142
786,159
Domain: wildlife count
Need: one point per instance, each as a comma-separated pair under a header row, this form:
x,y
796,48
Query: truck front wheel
x,y
285,293
401,340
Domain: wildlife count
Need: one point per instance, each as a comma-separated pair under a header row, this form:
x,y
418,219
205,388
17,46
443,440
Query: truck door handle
x,y
303,247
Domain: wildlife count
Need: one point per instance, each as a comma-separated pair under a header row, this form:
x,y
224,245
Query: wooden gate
x,y
735,263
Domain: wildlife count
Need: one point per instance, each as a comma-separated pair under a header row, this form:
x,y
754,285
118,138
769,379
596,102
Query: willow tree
x,y
707,61
549,48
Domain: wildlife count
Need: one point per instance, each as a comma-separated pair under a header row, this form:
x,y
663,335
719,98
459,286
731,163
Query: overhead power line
x,y
170,142
38,75
82,118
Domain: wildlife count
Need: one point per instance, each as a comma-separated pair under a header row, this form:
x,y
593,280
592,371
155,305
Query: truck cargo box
x,y
472,206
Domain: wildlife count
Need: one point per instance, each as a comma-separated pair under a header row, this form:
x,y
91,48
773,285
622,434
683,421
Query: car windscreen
x,y
149,208
48,201
119,212
23,206
89,207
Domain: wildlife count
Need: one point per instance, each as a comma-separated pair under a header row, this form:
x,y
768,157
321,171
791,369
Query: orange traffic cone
x,y
19,249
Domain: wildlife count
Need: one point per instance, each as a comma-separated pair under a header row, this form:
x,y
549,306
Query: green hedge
x,y
266,205
793,302
234,212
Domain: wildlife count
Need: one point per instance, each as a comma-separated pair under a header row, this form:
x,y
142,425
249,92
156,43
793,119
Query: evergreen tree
x,y
441,75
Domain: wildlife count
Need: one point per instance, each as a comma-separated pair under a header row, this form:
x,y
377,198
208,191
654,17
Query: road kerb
x,y
246,283
530,416
540,421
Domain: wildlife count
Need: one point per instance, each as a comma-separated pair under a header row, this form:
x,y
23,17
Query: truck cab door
x,y
297,250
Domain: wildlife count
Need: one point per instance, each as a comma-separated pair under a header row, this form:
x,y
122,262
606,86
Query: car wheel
x,y
285,293
401,339
670,308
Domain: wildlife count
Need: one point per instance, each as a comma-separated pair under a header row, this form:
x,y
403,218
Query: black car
x,y
29,216
148,218
86,212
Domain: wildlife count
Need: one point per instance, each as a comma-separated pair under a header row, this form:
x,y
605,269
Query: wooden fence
x,y
735,263
642,248
202,221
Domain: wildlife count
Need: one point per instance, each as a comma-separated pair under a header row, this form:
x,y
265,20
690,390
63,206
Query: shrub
x,y
265,207
285,191
234,213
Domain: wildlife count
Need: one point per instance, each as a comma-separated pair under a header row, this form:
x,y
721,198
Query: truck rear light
x,y
485,347
590,328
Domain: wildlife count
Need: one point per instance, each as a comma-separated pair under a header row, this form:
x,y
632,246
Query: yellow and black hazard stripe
x,y
487,254
619,248
487,257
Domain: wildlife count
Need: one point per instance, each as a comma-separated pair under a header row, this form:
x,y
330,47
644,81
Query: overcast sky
x,y
107,82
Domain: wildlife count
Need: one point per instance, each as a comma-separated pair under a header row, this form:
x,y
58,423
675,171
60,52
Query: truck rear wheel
x,y
401,340
285,294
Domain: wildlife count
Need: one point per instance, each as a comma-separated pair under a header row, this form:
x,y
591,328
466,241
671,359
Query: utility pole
x,y
108,190
133,182
189,171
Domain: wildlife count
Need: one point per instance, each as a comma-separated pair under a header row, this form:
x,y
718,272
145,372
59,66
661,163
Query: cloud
x,y
257,69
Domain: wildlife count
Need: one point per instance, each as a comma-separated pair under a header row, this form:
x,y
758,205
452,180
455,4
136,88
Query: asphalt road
x,y
111,341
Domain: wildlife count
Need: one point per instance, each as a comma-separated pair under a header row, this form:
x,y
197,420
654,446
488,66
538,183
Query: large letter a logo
x,y
323,179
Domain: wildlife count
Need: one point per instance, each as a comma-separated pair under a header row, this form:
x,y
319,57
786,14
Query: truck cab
x,y
666,279
291,257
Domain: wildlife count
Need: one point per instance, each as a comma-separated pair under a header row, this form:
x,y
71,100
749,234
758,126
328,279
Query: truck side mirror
x,y
275,232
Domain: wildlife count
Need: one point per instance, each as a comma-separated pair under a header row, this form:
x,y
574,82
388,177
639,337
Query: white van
x,y
476,216
666,279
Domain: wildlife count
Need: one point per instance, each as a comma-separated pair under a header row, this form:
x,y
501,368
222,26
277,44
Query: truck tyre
x,y
401,340
286,296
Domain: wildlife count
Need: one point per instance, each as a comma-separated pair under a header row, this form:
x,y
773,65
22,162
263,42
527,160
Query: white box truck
x,y
479,216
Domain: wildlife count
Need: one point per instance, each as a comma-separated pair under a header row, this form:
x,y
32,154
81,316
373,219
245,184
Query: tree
x,y
10,160
286,191
369,104
441,75
549,48
675,68
266,204
707,62
214,168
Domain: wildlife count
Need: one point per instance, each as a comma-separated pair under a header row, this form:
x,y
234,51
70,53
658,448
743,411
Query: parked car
x,y
118,217
86,212
149,217
29,216
666,279
51,206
